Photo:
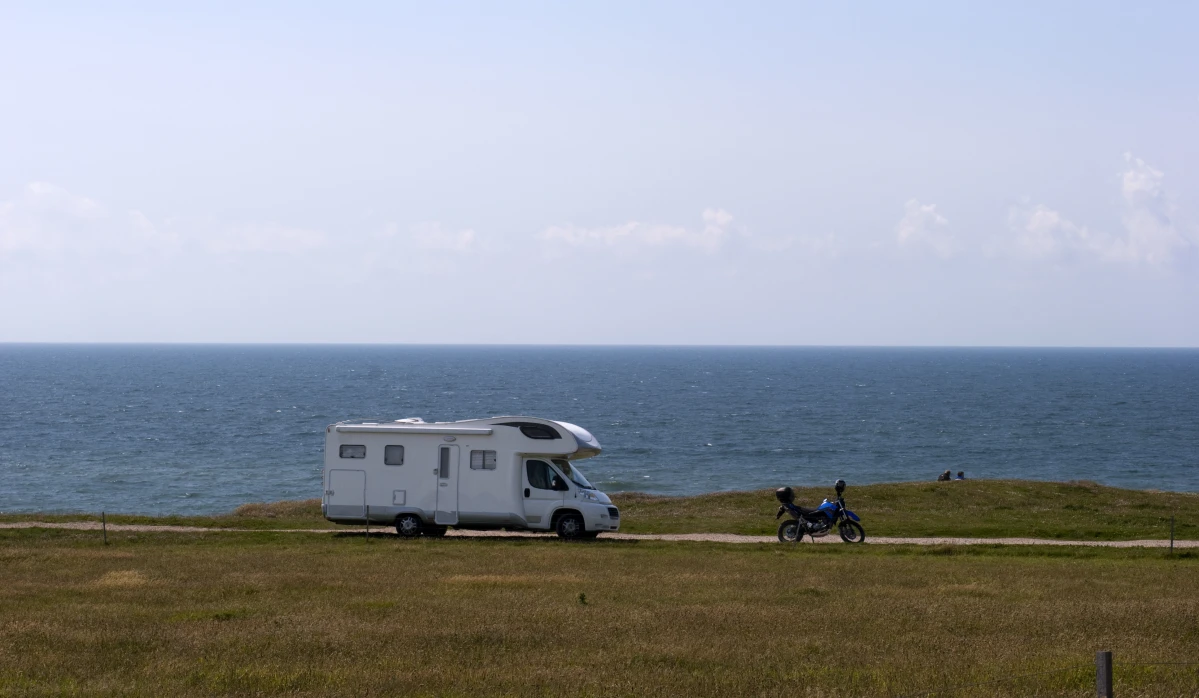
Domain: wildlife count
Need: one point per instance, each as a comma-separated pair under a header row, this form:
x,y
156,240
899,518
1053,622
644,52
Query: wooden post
x,y
104,526
1103,674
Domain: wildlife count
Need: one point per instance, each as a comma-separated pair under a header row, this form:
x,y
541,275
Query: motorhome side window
x,y
393,455
348,451
541,475
482,460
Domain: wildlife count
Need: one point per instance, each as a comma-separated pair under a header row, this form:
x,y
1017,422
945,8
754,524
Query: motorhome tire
x,y
408,525
570,526
436,531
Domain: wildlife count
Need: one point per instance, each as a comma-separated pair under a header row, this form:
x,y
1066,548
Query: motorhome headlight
x,y
589,496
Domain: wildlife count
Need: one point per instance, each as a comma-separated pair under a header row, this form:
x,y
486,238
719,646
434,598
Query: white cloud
x,y
717,228
433,236
922,225
45,218
1042,233
49,221
1150,235
46,197
428,235
1148,215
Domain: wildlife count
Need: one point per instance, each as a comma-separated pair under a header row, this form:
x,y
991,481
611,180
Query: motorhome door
x,y
543,490
346,494
447,486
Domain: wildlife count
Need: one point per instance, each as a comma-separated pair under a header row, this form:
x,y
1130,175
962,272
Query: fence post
x,y
104,526
1103,674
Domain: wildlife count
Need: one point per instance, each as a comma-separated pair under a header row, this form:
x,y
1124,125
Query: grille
x,y
614,512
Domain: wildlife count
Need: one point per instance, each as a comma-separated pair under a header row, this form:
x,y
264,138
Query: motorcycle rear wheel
x,y
851,532
789,531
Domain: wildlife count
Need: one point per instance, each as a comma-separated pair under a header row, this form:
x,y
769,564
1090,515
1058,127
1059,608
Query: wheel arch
x,y
563,511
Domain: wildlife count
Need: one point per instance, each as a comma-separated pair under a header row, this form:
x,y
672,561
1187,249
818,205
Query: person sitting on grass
x,y
944,477
961,475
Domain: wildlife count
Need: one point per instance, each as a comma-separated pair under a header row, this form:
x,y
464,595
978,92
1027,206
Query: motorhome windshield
x,y
572,471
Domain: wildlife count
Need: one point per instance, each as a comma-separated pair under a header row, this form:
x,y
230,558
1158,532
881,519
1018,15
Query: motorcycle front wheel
x,y
789,531
851,532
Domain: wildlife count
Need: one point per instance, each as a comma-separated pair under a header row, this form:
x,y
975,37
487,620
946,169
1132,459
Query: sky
x,y
868,173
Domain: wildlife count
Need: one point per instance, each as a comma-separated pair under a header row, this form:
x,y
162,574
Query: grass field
x,y
261,613
972,508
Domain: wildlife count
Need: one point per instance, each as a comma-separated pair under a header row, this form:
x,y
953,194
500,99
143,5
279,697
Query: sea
x,y
201,429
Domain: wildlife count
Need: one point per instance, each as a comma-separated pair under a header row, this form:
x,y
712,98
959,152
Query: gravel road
x,y
682,537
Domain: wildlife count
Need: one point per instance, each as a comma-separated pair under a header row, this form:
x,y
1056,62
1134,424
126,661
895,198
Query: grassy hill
x,y
970,508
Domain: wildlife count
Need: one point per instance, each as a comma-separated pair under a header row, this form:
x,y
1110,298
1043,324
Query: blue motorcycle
x,y
817,522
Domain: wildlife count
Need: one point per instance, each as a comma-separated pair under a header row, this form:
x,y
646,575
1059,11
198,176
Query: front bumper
x,y
601,517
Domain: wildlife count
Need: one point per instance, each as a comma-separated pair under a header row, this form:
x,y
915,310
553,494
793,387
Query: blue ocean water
x,y
202,429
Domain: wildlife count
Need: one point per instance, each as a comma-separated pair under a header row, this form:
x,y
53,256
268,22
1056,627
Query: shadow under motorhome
x,y
514,473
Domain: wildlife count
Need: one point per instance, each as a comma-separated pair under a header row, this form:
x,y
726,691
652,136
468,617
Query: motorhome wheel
x,y
408,525
570,526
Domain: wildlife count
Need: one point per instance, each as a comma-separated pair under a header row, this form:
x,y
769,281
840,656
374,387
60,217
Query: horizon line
x,y
591,346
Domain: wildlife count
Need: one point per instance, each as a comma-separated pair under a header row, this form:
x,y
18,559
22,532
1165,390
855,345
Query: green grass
x,y
971,508
261,613
302,514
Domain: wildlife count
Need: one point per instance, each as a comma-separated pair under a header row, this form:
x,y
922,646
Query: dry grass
x,y
121,578
270,614
298,510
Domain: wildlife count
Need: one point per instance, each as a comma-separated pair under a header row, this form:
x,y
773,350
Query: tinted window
x,y
444,467
482,460
534,431
348,451
541,475
393,455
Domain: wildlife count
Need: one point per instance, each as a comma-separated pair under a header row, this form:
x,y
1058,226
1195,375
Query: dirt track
x,y
682,537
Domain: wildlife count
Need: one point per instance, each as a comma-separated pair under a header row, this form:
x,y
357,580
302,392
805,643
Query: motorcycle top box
x,y
786,495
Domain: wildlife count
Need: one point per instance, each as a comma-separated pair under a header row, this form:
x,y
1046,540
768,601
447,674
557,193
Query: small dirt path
x,y
681,537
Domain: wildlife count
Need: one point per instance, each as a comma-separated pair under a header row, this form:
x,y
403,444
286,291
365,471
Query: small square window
x,y
348,451
393,455
482,460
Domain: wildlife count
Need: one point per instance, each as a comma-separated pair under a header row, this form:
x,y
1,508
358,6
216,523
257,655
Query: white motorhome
x,y
514,473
